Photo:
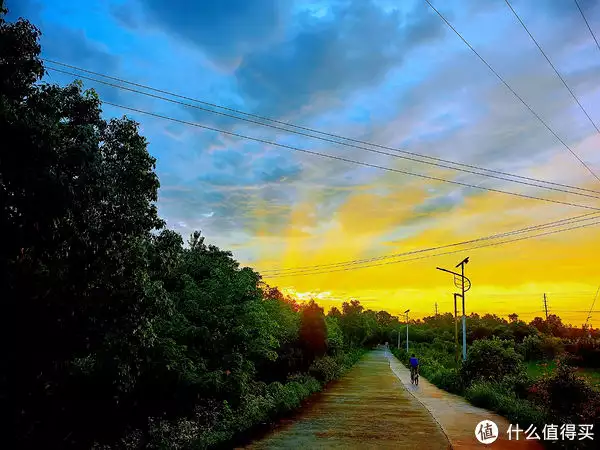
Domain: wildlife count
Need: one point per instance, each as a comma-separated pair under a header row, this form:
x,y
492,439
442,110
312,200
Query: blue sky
x,y
389,72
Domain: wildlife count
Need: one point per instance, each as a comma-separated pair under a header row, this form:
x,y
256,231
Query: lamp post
x,y
406,312
462,282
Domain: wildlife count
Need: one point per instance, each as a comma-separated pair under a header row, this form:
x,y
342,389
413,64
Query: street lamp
x,y
462,282
406,312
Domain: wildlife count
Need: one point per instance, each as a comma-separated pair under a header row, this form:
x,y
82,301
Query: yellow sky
x,y
508,278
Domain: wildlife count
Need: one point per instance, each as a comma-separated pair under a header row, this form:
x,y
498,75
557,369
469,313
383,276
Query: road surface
x,y
374,406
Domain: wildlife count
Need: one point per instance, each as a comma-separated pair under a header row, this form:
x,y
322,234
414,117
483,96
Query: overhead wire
x,y
536,115
286,124
553,67
340,158
493,244
587,23
567,221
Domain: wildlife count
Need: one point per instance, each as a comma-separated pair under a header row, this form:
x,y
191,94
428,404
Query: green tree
x,y
335,337
490,360
313,331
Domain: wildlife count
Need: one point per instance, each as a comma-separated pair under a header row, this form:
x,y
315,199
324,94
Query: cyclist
x,y
414,366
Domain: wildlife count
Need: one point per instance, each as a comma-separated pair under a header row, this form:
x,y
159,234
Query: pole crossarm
x,y
458,279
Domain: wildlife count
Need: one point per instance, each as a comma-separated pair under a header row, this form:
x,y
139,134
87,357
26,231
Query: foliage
x,y
335,336
124,336
494,396
566,395
490,360
313,331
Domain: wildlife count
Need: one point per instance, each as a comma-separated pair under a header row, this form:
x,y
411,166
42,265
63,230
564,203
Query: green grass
x,y
537,369
592,376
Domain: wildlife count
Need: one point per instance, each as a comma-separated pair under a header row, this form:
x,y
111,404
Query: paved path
x,y
456,416
374,406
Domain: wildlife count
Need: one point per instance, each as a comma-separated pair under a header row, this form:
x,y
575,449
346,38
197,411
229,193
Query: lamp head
x,y
406,311
464,261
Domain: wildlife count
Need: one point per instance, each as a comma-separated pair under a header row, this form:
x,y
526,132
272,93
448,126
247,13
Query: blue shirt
x,y
414,362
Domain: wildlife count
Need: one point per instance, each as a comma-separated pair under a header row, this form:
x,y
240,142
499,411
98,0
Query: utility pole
x,y
436,311
546,306
464,318
456,327
398,337
590,313
459,282
406,312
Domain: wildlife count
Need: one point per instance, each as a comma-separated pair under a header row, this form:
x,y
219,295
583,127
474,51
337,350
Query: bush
x,y
518,383
325,369
490,360
492,395
531,348
551,347
447,379
567,396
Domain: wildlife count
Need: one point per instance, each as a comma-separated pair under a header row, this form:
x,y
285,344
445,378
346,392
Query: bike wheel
x,y
417,380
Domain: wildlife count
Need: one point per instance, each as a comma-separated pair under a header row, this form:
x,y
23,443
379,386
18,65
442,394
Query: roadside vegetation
x,y
536,373
116,334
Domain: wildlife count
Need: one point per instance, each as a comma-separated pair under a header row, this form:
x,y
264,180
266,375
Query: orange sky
x,y
508,278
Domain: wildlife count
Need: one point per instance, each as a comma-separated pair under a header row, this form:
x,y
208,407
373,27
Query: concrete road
x,y
368,408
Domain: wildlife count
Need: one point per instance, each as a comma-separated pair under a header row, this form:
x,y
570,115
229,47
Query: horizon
x,y
525,317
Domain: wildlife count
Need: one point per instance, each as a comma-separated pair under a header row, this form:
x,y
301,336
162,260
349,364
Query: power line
x,y
587,23
430,158
340,158
513,91
553,67
568,221
437,254
328,140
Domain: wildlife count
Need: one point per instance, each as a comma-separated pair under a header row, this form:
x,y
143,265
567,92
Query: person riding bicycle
x,y
414,366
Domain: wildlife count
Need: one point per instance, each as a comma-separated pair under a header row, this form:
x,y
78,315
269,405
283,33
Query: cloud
x,y
125,15
72,46
225,30
352,47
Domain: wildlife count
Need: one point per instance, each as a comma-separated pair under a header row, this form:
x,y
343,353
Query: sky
x,y
380,71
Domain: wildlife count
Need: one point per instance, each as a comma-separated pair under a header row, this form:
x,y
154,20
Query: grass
x,y
537,369
592,376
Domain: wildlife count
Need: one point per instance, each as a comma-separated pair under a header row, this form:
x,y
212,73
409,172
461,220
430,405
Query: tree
x,y
513,317
77,197
313,331
490,360
353,323
334,312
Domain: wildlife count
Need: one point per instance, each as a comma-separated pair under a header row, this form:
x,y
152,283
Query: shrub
x,y
491,395
551,347
567,396
518,383
531,348
447,379
490,360
325,369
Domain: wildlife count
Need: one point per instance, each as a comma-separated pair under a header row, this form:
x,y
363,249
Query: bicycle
x,y
414,376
